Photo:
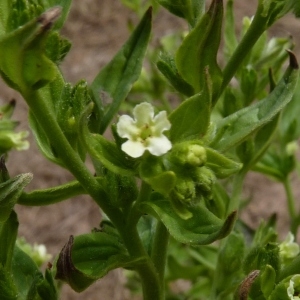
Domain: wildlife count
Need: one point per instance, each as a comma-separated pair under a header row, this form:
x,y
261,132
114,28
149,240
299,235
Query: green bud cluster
x,y
8,138
194,179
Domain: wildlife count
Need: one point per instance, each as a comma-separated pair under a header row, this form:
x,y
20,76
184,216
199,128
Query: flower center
x,y
146,132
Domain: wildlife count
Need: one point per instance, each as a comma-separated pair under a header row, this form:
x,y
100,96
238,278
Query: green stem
x,y
46,119
135,213
160,250
51,195
43,113
146,269
154,284
291,205
256,29
290,198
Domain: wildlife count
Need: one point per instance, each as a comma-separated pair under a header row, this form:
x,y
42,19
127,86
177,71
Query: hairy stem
x,y
256,29
160,250
47,120
291,205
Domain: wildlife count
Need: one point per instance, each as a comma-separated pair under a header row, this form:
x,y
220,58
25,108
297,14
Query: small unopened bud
x,y
186,153
196,155
291,148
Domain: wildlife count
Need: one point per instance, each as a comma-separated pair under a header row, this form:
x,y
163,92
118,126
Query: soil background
x,y
97,29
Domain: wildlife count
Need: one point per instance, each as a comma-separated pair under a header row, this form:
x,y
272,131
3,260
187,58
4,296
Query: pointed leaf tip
x,y
2,162
64,263
49,17
246,285
228,225
293,60
149,11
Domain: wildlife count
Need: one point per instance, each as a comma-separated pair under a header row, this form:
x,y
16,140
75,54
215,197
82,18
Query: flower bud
x,y
188,154
10,139
291,148
288,248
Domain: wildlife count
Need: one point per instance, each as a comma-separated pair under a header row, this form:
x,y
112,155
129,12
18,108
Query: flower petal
x,y
158,145
126,127
143,114
133,148
161,123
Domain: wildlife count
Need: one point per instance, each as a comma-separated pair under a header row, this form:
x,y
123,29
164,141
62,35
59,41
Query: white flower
x,y
144,132
295,280
289,249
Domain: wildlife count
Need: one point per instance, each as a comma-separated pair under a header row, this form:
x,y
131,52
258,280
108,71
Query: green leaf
x,y
251,151
108,154
26,274
229,266
180,271
267,281
21,12
291,269
289,128
230,40
201,229
235,128
295,6
271,165
167,67
8,289
7,110
89,257
116,78
153,172
8,235
68,109
4,15
146,229
267,258
4,175
46,288
57,47
249,79
191,118
266,232
122,190
280,291
199,49
10,191
190,10
23,63
132,4
42,141
259,257
220,200
221,165
272,10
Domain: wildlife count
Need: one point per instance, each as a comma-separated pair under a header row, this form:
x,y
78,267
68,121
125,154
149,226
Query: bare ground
x,y
97,29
